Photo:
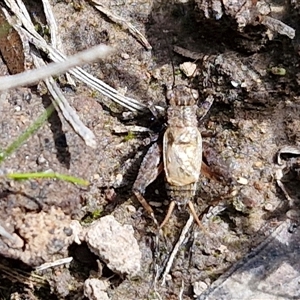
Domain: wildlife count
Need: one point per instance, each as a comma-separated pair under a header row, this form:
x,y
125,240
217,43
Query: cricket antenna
x,y
170,55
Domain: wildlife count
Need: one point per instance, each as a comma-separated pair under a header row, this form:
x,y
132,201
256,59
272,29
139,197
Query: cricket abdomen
x,y
181,195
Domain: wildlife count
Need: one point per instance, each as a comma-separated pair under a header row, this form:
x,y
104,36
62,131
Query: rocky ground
x,y
242,56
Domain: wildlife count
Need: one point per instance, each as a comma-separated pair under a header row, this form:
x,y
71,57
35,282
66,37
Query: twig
x,y
61,103
32,76
155,282
55,37
181,290
277,26
187,53
56,263
69,113
184,231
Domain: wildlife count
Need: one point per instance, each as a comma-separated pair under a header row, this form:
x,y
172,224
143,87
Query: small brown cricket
x,y
180,155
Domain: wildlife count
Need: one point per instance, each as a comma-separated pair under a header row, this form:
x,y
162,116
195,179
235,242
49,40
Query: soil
x,y
255,112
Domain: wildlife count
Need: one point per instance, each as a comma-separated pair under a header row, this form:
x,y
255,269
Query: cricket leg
x,y
216,167
194,214
205,107
169,213
208,173
151,167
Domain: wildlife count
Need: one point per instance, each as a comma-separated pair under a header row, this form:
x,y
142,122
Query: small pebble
x,y
258,164
268,207
234,83
125,55
188,68
155,204
131,209
199,287
242,180
263,130
110,194
95,289
168,277
96,176
223,249
41,159
119,179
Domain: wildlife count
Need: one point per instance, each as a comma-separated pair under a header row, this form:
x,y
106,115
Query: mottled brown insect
x,y
179,156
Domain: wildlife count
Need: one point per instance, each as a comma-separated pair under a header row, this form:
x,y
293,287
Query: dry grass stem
x,y
184,231
32,76
56,263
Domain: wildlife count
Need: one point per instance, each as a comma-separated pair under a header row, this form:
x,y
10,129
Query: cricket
x,y
179,155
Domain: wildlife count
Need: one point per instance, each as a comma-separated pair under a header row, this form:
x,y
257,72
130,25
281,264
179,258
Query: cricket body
x,y
181,154
182,148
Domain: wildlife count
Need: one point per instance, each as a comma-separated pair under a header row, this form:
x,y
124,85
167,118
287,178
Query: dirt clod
x,y
115,244
95,289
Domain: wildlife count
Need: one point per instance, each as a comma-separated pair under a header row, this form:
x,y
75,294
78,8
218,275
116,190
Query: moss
x,y
92,216
177,72
130,136
94,94
278,71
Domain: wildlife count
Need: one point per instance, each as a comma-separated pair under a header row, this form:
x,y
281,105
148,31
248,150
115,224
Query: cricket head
x,y
181,95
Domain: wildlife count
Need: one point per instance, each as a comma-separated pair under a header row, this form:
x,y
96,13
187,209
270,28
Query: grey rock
x,y
115,244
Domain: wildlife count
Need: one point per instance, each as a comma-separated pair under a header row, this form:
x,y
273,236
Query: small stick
x,y
155,282
61,103
54,33
176,248
54,263
181,290
30,77
277,26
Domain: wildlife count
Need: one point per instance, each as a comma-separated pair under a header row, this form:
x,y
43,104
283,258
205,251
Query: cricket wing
x,y
182,155
150,168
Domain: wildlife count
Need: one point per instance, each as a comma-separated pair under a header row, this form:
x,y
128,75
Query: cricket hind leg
x,y
192,211
151,167
168,215
204,107
194,214
214,166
